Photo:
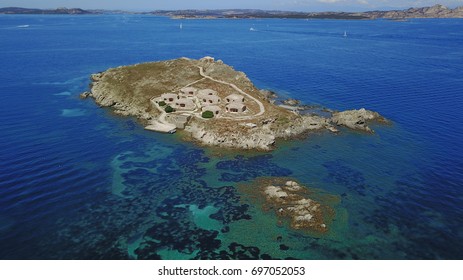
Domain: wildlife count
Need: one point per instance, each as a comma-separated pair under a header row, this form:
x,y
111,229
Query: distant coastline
x,y
58,11
436,11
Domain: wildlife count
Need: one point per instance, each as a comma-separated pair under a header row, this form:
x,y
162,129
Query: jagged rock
x,y
293,186
356,119
275,192
291,102
85,94
290,200
268,94
267,121
259,139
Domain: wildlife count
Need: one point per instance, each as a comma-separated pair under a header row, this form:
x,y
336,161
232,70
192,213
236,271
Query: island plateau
x,y
213,104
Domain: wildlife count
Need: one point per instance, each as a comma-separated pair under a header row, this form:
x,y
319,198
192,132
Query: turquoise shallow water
x,y
77,182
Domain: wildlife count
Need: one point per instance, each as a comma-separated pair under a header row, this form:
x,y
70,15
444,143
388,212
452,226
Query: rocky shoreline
x,y
131,91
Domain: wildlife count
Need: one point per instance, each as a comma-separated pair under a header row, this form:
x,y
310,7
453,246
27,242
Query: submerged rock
x,y
290,200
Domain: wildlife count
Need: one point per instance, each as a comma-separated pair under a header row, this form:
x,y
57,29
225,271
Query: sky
x,y
287,5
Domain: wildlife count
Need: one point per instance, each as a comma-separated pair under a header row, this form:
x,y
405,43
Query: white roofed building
x,y
169,97
185,104
235,107
188,91
207,59
206,92
209,100
234,98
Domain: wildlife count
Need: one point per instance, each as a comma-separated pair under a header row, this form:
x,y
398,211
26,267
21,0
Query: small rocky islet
x,y
212,104
292,201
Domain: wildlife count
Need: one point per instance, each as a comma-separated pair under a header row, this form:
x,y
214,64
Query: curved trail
x,y
261,106
161,124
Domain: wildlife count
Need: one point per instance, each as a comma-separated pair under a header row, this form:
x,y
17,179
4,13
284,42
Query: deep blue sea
x,y
77,182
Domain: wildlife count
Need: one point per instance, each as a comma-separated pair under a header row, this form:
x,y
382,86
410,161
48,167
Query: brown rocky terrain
x,y
131,91
300,207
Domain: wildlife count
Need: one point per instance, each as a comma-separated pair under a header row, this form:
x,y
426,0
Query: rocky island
x,y
290,200
296,206
213,104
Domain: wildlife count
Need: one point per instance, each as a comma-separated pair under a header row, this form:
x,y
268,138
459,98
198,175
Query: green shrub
x,y
162,103
169,109
207,114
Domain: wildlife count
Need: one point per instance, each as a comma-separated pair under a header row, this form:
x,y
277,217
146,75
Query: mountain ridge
x,y
32,11
436,11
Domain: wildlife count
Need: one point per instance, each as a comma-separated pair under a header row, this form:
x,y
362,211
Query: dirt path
x,y
161,120
261,106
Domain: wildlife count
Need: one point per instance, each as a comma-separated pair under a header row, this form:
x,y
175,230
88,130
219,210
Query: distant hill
x,y
437,11
243,13
59,11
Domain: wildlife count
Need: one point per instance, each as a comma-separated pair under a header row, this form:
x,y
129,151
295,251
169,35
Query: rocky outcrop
x,y
85,94
268,95
291,102
260,139
105,96
260,135
291,201
356,119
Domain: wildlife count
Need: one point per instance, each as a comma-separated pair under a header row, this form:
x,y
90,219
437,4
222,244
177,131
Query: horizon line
x,y
244,9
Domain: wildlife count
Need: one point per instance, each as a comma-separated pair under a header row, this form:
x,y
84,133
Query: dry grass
x,y
135,85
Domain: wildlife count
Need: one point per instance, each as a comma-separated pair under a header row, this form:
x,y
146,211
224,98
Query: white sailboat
x,y
181,26
345,34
